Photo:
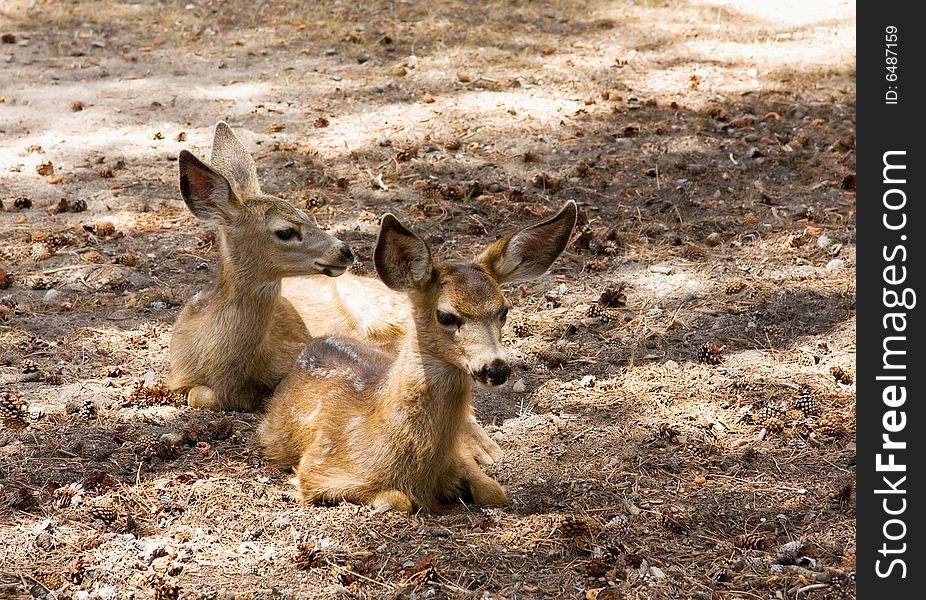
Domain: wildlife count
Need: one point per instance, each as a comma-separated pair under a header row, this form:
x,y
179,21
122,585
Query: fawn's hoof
x,y
489,493
391,500
202,397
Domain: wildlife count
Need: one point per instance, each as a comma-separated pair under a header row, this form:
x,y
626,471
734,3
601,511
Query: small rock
x,y
519,387
713,239
330,51
835,265
587,381
663,269
52,296
173,438
671,365
656,573
158,305
824,241
464,77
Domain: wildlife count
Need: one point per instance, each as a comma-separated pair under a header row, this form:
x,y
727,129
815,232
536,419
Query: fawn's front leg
x,y
478,444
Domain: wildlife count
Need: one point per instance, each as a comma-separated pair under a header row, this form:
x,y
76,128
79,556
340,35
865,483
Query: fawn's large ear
x,y
206,192
528,253
233,161
402,259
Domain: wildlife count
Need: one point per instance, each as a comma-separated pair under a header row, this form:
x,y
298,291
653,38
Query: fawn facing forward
x,y
367,426
232,344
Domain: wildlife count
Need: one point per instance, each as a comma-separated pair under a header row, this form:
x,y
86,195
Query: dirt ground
x,y
710,146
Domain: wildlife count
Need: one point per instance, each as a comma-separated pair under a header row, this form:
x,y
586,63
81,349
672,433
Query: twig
x,y
797,590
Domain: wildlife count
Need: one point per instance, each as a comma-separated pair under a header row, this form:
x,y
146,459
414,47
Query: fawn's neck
x,y
245,295
425,385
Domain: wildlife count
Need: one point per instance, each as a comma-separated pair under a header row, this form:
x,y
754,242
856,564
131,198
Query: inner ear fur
x,y
402,259
206,192
529,252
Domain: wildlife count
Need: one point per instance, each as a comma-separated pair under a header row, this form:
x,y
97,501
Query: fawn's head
x,y
266,232
459,306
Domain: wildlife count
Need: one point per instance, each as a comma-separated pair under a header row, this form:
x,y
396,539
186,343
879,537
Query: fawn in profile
x,y
232,344
389,430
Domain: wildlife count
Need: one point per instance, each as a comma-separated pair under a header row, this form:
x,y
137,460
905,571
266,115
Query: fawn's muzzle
x,y
495,373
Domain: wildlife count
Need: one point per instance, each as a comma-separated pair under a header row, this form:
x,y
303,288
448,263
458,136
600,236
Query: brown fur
x,y
389,430
232,344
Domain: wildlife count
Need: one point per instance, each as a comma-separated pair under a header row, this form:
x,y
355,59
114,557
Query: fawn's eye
x,y
503,316
448,319
286,234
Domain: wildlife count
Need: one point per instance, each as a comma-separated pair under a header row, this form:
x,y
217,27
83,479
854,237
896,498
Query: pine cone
x,y
40,252
711,354
69,495
14,412
100,481
144,446
152,395
807,402
105,511
840,375
87,409
572,526
830,424
734,287
750,541
104,228
693,253
357,268
522,329
613,297
674,520
167,451
666,432
76,570
50,581
762,412
307,556
774,425
598,265
28,366
166,590
550,356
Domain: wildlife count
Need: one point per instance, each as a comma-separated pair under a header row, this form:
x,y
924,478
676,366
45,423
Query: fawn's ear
x,y
233,161
402,259
528,253
206,193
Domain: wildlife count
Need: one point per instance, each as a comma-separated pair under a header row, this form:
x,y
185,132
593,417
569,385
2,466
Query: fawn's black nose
x,y
346,253
496,373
